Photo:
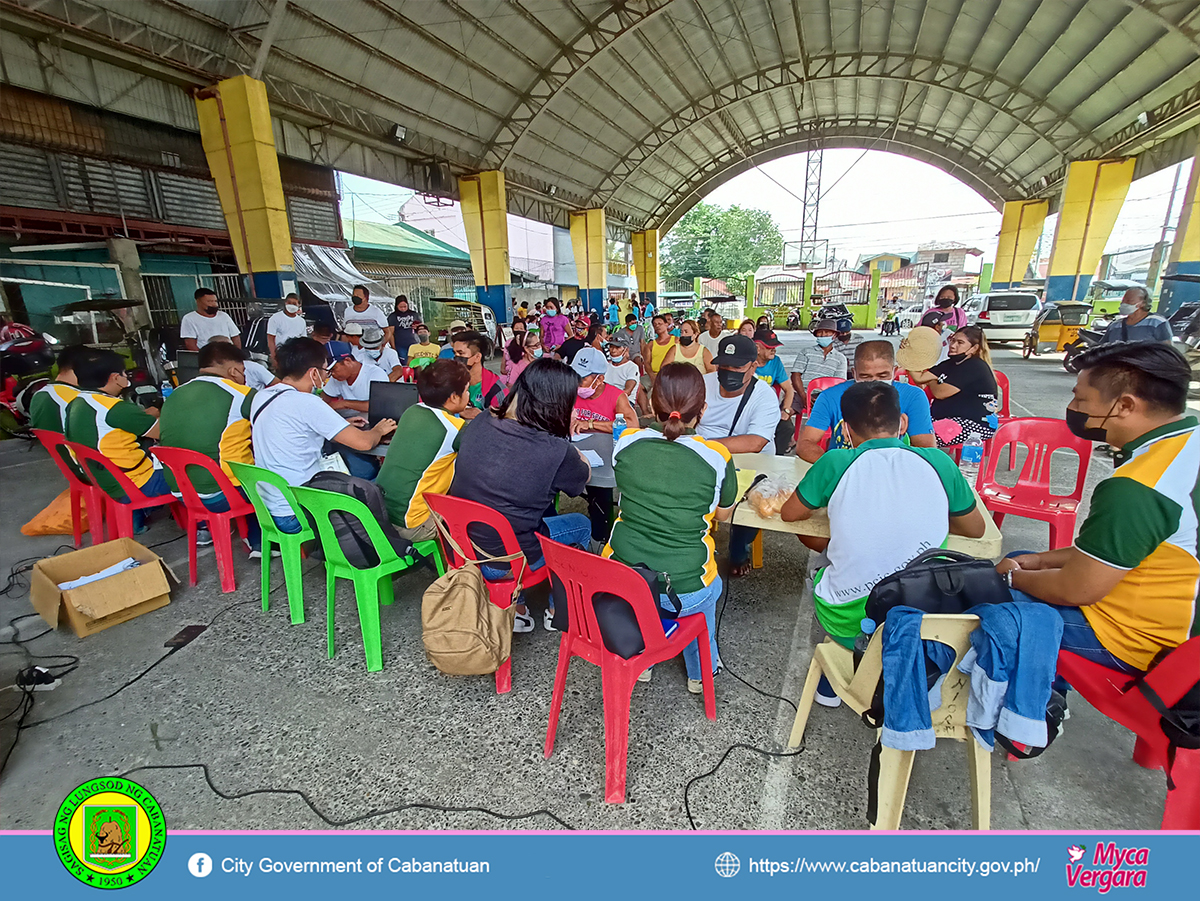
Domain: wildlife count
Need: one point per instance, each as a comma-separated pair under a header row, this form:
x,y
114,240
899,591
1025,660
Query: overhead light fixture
x,y
398,133
1143,119
553,190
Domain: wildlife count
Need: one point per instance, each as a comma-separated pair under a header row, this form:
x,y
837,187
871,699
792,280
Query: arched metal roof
x,y
644,106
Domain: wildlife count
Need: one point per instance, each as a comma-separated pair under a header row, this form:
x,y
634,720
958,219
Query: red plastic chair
x,y
1002,383
458,513
178,459
1115,695
1031,496
816,386
582,574
58,448
118,514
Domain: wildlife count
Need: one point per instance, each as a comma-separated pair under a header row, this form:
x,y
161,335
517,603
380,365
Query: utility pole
x,y
1160,249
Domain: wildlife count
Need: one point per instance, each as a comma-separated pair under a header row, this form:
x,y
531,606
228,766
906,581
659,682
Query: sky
x,y
871,202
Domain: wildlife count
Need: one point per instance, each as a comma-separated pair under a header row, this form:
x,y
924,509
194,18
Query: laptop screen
x,y
389,400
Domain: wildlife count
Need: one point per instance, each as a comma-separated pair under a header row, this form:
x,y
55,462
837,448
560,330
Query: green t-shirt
x,y
112,426
48,409
420,459
212,416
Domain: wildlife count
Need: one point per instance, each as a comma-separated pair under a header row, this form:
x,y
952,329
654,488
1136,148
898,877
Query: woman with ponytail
x,y
665,524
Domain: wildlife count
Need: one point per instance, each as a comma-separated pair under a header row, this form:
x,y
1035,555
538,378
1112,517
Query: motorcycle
x,y
25,365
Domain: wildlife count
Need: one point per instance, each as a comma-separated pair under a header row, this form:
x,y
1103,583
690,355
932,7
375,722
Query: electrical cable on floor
x,y
687,807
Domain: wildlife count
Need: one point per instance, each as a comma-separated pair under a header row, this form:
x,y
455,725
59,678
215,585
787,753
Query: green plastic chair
x,y
373,585
289,542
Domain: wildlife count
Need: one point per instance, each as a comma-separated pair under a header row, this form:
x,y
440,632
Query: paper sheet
x,y
593,458
127,563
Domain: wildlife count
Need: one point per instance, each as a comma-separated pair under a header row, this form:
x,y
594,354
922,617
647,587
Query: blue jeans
x,y
740,539
362,466
702,601
219,503
156,486
288,524
566,528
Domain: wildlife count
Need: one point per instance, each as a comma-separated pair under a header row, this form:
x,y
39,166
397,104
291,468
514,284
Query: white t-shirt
x,y
372,315
710,342
204,328
258,376
619,375
388,358
283,327
289,436
760,416
361,387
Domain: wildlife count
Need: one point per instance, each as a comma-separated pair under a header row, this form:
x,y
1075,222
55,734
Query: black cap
x,y
933,318
766,337
735,351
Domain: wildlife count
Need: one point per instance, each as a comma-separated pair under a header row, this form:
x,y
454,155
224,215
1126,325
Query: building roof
x,y
400,244
865,258
948,245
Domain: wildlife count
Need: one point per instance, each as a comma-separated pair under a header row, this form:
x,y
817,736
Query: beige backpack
x,y
465,634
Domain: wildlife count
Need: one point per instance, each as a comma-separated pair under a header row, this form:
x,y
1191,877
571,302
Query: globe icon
x,y
727,864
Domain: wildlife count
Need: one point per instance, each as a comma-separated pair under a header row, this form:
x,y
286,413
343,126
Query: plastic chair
x,y
814,387
1116,696
458,514
120,513
178,459
289,543
81,487
857,688
1002,384
372,585
1031,496
582,575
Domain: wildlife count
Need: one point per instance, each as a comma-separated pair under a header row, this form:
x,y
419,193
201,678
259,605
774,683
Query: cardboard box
x,y
94,607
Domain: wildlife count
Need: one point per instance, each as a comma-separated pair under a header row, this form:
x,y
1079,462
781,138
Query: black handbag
x,y
938,581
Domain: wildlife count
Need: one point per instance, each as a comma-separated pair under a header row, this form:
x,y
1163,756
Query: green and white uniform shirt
x,y
421,461
112,426
888,503
209,415
48,408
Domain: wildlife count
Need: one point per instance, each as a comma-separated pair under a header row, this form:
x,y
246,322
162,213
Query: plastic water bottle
x,y
867,629
618,426
166,389
970,458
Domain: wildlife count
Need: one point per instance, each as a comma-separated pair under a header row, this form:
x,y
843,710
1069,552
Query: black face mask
x,y
956,358
944,302
1077,423
686,340
730,379
211,310
466,361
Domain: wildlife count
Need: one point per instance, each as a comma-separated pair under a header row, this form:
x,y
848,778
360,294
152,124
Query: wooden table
x,y
989,546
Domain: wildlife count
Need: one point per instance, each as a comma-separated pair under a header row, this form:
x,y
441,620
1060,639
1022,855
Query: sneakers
x,y
256,553
595,547
646,675
826,696
548,620
523,622
203,537
696,686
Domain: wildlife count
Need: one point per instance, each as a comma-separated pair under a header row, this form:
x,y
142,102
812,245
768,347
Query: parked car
x,y
1005,315
910,316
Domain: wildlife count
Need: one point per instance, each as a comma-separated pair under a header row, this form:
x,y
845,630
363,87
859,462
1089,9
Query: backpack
x,y
465,634
254,336
352,538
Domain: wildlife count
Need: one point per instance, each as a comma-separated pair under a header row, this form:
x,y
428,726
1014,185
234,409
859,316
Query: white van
x,y
1003,315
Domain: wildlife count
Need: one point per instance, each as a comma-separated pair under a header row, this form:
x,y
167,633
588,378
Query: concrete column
x,y
238,140
1091,199
1185,252
645,267
124,253
589,241
1020,228
873,300
985,278
485,218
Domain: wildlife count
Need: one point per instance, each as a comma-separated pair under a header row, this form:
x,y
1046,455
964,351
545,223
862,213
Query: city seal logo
x,y
110,833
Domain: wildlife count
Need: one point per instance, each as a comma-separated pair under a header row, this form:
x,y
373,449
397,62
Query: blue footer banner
x,y
104,843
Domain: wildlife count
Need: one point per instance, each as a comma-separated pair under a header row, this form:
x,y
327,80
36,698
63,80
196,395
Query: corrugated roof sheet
x,y
400,238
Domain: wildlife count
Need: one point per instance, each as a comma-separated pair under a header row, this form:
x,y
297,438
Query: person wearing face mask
x,y
365,313
965,394
402,322
946,302
743,415
667,527
596,408
623,372
284,324
554,325
487,391
208,322
424,351
1126,586
372,349
290,425
457,327
874,361
1137,323
917,491
520,356
577,341
631,337
820,361
689,350
514,351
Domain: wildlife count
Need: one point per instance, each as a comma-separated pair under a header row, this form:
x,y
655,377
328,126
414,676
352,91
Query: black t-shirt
x,y
570,347
403,334
976,384
516,470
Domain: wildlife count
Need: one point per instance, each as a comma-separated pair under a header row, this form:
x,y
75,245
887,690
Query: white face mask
x,y
292,308
374,354
1127,309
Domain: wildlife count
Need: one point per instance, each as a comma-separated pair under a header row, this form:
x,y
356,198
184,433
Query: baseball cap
x,y
589,361
372,338
457,323
584,321
932,318
338,355
352,328
736,350
767,337
829,324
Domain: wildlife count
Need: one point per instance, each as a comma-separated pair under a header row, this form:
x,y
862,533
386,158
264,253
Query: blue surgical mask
x,y
824,341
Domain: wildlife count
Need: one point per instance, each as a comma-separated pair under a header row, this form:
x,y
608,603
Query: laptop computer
x,y
389,400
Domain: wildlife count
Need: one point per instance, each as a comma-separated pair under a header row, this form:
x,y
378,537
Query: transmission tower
x,y
809,249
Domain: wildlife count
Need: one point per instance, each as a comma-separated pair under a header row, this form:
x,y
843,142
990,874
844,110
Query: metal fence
x,y
168,296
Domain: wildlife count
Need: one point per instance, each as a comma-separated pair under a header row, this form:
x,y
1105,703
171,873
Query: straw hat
x,y
919,349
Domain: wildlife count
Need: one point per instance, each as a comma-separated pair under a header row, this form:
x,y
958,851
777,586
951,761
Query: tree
x,y
712,242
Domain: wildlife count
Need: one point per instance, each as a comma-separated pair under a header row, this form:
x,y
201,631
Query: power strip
x,y
37,678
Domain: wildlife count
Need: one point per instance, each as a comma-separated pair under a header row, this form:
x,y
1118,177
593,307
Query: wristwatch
x,y
1008,578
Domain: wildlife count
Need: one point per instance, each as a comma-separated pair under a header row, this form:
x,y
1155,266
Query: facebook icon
x,y
200,865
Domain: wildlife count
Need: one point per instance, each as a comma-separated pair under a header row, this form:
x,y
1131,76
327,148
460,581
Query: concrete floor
x,y
256,700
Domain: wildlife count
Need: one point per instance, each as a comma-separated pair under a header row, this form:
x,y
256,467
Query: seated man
x,y
487,391
349,385
291,425
817,361
1126,588
48,408
425,461
457,327
211,415
874,361
98,418
770,370
917,491
373,349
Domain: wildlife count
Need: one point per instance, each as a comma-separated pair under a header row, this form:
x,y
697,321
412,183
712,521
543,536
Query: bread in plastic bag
x,y
768,496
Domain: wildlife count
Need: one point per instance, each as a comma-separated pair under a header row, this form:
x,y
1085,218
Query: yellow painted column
x,y
1091,199
1020,228
589,241
484,207
645,264
1185,252
235,130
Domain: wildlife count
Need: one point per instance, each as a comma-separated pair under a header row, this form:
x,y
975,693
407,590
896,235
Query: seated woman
x,y
689,349
665,524
747,328
520,354
516,459
964,390
514,351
